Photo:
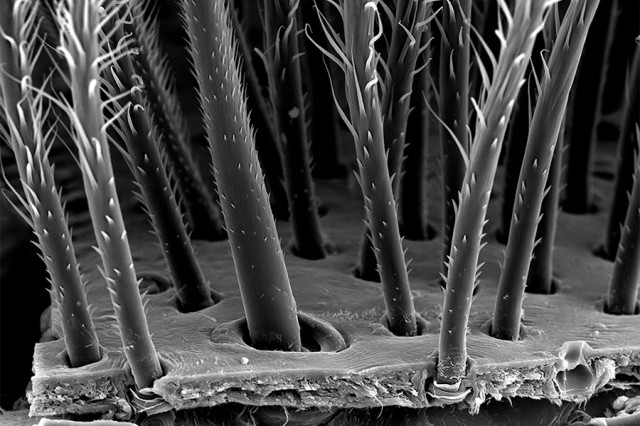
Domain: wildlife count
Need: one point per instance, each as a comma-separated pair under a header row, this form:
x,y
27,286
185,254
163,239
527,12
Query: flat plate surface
x,y
377,369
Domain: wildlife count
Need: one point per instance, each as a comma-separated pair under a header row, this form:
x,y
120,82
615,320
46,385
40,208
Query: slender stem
x,y
202,210
325,141
375,181
407,41
545,128
516,137
25,116
491,125
454,110
586,107
282,59
266,294
622,297
540,276
412,198
627,144
81,22
145,161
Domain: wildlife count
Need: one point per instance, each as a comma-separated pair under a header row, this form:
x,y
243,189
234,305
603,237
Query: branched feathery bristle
x,y
25,114
357,57
86,31
493,115
262,276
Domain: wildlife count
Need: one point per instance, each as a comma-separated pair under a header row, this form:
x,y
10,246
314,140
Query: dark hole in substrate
x,y
316,335
422,325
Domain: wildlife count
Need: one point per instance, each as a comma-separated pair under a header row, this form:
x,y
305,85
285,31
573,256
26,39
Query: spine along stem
x,y
455,50
281,57
358,60
266,293
622,298
25,115
202,211
556,83
627,144
493,116
145,160
83,46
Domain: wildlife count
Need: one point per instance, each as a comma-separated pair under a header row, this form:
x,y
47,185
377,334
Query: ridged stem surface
x,y
82,46
545,127
25,118
268,302
493,116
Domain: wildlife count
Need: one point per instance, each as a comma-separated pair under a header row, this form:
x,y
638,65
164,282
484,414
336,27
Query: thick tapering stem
x,y
282,58
202,210
454,110
543,135
627,144
262,119
622,298
466,242
266,294
23,113
82,46
587,102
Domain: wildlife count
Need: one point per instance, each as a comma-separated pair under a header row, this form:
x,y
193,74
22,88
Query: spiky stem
x,y
203,213
491,124
627,143
25,116
268,302
540,276
282,60
262,119
407,42
622,298
375,181
543,135
145,161
83,47
516,137
454,109
404,49
325,142
413,202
